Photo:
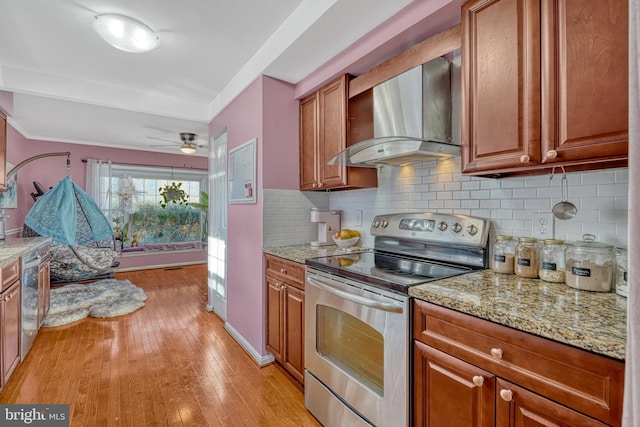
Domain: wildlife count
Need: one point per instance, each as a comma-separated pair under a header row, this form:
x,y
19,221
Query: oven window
x,y
352,345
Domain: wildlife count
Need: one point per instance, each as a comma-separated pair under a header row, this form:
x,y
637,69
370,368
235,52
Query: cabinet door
x,y
294,331
585,79
518,407
275,314
308,111
500,84
332,104
451,392
10,329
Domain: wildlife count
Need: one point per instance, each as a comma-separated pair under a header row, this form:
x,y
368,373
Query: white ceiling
x,y
71,86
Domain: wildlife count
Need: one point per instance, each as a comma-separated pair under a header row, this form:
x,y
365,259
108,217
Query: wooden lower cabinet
x,y
472,372
450,392
518,407
285,314
293,326
10,309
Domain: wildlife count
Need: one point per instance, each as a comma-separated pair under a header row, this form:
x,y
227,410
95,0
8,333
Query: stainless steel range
x,y
357,342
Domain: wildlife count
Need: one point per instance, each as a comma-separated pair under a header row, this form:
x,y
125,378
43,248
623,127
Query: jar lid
x,y
589,241
504,237
553,242
527,239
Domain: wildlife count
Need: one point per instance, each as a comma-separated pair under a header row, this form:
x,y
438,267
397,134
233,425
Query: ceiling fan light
x,y
188,149
125,33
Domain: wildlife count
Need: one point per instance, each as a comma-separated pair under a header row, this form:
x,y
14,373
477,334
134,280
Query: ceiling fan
x,y
189,144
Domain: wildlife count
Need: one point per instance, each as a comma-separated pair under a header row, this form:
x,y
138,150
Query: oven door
x,y
356,352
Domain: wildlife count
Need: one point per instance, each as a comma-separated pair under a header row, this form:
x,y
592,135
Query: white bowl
x,y
346,243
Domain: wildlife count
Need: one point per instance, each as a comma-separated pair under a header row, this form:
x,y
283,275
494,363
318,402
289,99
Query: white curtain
x,y
99,184
631,413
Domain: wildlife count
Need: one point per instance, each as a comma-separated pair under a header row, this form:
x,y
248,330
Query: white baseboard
x,y
261,360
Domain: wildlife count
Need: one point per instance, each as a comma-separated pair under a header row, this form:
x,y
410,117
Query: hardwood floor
x,y
169,363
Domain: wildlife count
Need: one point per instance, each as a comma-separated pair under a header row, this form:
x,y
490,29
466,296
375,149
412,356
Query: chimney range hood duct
x,y
411,118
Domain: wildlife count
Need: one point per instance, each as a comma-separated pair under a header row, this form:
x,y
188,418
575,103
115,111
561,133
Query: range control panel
x,y
433,227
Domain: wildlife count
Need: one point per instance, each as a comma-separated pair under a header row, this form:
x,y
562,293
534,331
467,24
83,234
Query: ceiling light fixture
x,y
188,149
126,33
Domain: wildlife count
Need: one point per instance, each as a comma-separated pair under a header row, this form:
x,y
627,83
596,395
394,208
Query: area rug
x,y
101,299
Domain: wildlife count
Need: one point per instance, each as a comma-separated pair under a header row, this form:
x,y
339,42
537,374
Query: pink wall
x,y
49,171
413,24
245,307
280,131
268,111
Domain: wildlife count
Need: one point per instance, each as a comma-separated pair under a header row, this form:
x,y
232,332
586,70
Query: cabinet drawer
x,y
584,381
287,271
10,273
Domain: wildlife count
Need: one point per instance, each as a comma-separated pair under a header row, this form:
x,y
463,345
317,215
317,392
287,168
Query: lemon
x,y
346,234
355,233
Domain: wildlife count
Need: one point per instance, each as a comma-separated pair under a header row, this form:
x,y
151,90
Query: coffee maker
x,y
328,224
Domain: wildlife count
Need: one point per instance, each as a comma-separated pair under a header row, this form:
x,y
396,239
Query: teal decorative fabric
x,y
69,216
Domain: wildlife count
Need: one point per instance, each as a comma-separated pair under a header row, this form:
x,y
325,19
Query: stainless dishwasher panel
x,y
31,295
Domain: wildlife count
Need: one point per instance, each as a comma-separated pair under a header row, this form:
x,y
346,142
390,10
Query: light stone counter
x,y
592,321
298,253
13,248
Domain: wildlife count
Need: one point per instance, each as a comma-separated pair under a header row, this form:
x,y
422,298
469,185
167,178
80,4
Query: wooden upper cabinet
x,y
332,103
500,84
308,112
3,152
327,127
544,83
585,79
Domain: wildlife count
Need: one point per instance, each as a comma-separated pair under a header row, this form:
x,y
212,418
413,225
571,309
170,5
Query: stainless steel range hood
x,y
412,120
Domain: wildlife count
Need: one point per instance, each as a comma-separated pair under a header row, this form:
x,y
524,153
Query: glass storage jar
x,y
552,261
504,250
527,258
589,264
622,282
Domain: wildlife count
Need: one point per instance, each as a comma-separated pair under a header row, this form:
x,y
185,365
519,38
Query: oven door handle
x,y
321,284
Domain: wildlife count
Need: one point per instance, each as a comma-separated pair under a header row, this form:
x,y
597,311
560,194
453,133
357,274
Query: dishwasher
x,y
35,294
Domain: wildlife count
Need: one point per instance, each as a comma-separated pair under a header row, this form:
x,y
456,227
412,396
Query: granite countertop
x,y
14,247
298,253
593,321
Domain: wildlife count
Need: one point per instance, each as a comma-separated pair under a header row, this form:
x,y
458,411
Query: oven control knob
x,y
442,226
384,223
456,227
472,230
376,223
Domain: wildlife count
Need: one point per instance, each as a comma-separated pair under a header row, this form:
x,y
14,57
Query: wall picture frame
x,y
242,173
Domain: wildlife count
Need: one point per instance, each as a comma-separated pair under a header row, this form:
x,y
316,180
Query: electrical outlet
x,y
358,219
543,225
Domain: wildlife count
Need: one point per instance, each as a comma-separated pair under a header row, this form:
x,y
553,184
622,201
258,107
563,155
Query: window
x,y
139,220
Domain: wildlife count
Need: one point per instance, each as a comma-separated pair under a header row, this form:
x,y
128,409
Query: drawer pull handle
x,y
478,380
497,353
506,395
283,270
552,154
525,158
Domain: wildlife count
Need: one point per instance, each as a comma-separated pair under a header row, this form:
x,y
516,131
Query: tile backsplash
x,y
437,186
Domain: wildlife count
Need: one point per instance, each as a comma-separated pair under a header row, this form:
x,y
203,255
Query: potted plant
x,y
173,193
